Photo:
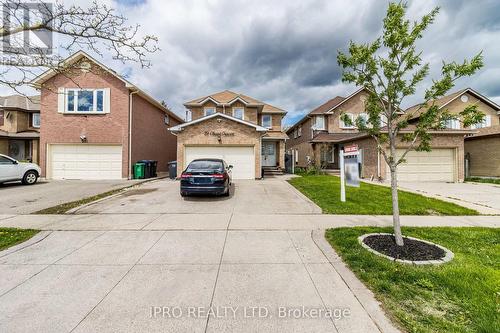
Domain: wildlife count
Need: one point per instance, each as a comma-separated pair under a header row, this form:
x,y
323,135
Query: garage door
x,y
436,165
241,158
85,161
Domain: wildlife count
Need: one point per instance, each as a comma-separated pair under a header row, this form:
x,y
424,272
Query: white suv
x,y
12,170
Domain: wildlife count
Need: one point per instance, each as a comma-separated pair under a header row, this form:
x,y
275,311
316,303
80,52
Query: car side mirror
x,y
230,167
15,162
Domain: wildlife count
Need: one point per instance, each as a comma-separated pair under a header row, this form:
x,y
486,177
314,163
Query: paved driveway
x,y
16,198
268,196
484,198
137,281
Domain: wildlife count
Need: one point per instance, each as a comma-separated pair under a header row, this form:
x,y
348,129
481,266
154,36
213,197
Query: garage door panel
x,y
86,161
436,165
241,158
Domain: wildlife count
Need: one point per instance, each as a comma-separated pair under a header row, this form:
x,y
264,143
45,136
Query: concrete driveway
x,y
169,281
16,198
485,198
268,196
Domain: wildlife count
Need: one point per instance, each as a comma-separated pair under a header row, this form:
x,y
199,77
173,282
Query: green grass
x,y
370,199
63,208
13,236
460,296
483,180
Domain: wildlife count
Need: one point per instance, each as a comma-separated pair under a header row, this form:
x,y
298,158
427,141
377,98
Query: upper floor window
x,y
452,124
166,119
347,126
319,123
383,120
485,123
267,121
238,113
209,111
35,120
363,117
299,131
84,100
1,117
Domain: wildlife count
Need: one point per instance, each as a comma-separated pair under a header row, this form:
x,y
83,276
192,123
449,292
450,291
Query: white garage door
x,y
85,161
241,158
436,165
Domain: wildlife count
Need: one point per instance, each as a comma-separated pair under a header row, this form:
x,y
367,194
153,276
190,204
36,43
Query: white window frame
x,y
344,125
383,120
299,131
270,121
75,101
365,116
209,108
485,123
242,112
33,120
452,124
316,127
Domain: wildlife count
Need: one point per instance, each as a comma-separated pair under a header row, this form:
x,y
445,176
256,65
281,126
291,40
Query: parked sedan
x,y
206,176
12,170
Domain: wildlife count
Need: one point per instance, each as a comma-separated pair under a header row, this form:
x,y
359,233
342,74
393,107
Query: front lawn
x,y
460,296
13,236
483,180
370,199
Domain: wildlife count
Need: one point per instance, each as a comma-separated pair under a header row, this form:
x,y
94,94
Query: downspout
x,y
130,133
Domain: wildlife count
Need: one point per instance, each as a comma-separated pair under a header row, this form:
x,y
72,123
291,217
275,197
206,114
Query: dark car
x,y
206,176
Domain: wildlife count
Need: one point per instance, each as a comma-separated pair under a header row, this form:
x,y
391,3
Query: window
x,y
383,120
5,160
266,121
363,118
299,131
344,125
166,119
35,120
1,117
209,111
319,123
485,123
238,113
452,124
84,100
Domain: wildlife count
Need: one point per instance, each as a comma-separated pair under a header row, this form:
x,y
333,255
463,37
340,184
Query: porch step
x,y
272,171
333,172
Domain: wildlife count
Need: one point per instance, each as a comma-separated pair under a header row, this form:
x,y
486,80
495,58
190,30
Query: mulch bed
x,y
413,250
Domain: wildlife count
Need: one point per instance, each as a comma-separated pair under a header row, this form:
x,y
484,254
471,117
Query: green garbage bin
x,y
139,170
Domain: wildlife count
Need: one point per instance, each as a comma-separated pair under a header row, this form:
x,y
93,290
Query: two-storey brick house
x,y
242,130
317,139
96,124
20,127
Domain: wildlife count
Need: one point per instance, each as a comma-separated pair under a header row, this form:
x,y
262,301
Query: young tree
x,y
95,28
390,69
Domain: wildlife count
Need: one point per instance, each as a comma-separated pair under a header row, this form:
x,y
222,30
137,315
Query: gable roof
x,y
227,97
75,57
180,127
445,100
28,103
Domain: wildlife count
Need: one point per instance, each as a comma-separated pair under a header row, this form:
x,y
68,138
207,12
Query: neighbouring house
x,y
20,127
317,138
482,149
242,130
96,124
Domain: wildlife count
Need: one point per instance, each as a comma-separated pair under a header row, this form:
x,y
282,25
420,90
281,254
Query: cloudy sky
x,y
284,52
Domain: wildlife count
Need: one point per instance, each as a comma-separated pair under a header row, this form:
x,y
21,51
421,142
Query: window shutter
x,y
488,121
61,98
107,100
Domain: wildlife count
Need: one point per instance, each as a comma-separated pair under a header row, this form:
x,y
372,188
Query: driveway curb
x,y
365,297
33,240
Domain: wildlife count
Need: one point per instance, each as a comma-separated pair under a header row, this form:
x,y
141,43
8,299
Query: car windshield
x,y
205,165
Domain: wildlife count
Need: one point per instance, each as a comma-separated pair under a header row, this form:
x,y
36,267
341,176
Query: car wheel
x,y
30,178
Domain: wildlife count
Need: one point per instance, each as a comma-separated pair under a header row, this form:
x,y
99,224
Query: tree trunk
x,y
398,236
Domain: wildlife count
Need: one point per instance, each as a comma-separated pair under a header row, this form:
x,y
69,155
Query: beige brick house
x,y
482,148
317,138
96,124
20,127
242,130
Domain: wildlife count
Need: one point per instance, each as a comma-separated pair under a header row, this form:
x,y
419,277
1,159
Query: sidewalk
x,y
232,221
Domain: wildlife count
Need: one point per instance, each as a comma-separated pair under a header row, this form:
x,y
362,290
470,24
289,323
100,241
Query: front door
x,y
268,153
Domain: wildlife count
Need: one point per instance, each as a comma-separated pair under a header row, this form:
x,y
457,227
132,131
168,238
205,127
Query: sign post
x,y
349,168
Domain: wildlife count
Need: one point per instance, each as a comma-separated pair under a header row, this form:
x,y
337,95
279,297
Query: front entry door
x,y
268,153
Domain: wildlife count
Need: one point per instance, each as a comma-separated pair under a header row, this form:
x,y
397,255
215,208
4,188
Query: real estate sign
x,y
351,165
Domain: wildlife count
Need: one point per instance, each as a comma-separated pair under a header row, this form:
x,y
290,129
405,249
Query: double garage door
x,y
242,158
83,161
436,165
